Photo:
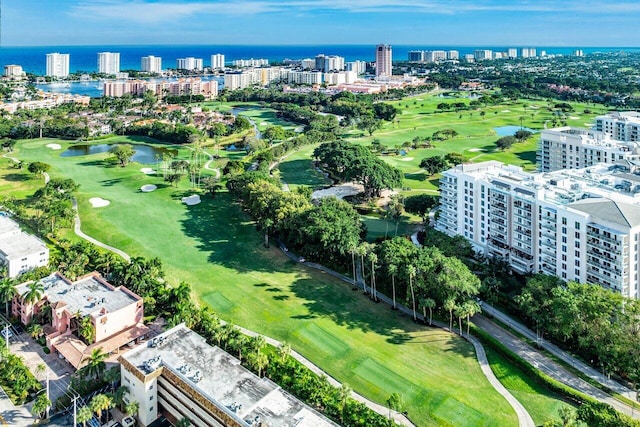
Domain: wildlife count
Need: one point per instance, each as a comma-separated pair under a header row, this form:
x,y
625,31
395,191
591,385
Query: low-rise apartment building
x,y
581,224
85,314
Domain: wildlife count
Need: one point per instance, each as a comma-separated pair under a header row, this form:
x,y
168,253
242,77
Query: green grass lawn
x,y
541,403
214,247
298,169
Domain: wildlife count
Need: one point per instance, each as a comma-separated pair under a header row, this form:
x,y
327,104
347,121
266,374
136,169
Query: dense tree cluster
x,y
174,133
600,325
349,162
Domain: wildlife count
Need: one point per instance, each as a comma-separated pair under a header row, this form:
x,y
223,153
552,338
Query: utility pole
x,y
6,329
75,405
47,412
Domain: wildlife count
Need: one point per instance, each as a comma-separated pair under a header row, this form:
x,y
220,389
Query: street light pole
x,y
75,416
6,335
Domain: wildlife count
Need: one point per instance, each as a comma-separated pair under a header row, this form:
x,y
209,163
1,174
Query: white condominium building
x,y
359,67
483,55
453,55
581,224
615,137
329,63
13,71
384,60
179,375
189,63
623,126
255,76
151,64
217,61
305,77
512,53
250,63
19,251
108,62
57,65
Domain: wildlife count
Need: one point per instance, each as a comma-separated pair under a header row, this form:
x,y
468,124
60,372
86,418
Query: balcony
x,y
547,225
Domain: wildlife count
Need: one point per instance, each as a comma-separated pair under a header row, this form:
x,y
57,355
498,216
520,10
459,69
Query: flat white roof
x,y
14,243
223,380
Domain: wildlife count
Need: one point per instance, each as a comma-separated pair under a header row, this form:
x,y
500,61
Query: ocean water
x,y
84,58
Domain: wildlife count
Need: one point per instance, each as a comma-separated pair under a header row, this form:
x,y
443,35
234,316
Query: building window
x,y
577,225
577,253
150,398
151,409
577,234
564,221
577,271
564,230
577,263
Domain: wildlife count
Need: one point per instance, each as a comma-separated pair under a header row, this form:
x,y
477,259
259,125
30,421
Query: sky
x,y
586,23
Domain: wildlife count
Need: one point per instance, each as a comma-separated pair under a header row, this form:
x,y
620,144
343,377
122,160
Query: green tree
x,y
84,414
433,165
132,408
123,153
34,293
274,133
38,168
96,364
7,292
211,184
40,405
411,273
505,142
101,403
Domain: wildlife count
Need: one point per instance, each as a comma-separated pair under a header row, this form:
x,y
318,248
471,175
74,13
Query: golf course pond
x,y
145,154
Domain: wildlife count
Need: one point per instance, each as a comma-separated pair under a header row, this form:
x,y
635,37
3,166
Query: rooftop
x,y
90,295
14,243
221,379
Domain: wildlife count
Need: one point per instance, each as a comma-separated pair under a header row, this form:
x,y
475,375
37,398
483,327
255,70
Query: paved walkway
x,y
524,419
549,366
12,415
78,231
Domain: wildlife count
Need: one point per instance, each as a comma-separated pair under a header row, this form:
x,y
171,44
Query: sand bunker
x,y
264,123
590,125
191,200
475,150
574,118
54,146
506,111
147,171
406,159
148,188
339,191
98,202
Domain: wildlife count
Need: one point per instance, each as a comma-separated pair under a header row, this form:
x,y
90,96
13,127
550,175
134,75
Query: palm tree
x,y
35,330
7,292
411,272
101,403
470,308
132,408
40,405
284,350
84,414
34,293
363,248
450,305
373,258
95,365
40,369
345,394
393,270
429,303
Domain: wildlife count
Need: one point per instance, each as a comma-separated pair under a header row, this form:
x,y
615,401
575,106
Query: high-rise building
x,y
579,224
57,64
384,59
453,55
483,55
151,64
329,63
13,71
251,63
217,61
308,64
512,53
416,56
108,62
189,63
359,67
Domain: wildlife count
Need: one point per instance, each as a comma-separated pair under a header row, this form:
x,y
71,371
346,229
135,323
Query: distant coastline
x,y
84,58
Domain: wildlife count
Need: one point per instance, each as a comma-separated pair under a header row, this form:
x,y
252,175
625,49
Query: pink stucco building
x,y
115,314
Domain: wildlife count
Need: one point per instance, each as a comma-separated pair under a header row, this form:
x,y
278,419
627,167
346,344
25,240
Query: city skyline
x,y
259,22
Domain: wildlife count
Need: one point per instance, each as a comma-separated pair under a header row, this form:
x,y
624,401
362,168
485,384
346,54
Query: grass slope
x,y
214,247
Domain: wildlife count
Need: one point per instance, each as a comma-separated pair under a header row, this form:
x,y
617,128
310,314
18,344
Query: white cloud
x,y
153,11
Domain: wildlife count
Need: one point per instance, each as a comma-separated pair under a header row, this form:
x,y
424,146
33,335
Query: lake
x,y
510,130
145,154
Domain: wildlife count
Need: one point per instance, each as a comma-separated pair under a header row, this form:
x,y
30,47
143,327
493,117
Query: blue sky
x,y
408,22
